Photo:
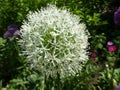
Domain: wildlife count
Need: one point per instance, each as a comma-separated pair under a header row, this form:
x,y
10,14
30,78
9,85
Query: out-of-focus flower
x,y
93,58
118,87
117,16
93,55
114,83
54,42
12,30
109,43
112,48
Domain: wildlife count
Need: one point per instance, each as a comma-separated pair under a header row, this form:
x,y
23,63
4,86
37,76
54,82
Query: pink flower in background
x,y
93,55
112,48
109,43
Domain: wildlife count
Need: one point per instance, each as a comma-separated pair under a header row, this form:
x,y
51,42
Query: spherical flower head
x,y
117,16
12,30
54,42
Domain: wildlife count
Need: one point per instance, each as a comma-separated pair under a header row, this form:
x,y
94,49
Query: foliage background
x,y
98,15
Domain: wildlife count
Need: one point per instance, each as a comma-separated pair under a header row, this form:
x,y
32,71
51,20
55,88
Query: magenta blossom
x,y
12,30
93,55
117,16
112,48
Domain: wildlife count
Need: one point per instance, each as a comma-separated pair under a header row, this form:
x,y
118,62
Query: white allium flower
x,y
54,42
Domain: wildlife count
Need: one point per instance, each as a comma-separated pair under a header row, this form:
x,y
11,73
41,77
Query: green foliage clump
x,y
100,73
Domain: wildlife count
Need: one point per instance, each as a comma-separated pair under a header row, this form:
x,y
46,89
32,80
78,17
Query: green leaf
x,y
99,45
0,84
2,41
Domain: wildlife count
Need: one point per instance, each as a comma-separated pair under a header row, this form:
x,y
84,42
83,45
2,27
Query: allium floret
x,y
54,42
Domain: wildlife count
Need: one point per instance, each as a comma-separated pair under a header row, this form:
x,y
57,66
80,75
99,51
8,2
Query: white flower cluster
x,y
54,42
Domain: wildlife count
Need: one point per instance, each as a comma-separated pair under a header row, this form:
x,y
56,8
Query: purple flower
x,y
117,16
12,30
118,87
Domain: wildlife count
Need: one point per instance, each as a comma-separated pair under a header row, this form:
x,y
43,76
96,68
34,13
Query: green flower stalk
x,y
54,42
